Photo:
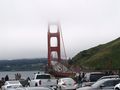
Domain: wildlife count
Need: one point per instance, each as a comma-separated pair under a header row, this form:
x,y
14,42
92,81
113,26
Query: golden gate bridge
x,y
55,66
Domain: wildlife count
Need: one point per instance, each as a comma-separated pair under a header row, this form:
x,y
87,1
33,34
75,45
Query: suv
x,y
91,77
43,79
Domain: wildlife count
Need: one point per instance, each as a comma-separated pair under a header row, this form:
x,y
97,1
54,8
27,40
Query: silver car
x,y
110,76
11,84
104,84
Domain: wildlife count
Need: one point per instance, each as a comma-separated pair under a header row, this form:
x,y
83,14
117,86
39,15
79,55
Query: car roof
x,y
66,78
34,88
110,76
110,79
11,82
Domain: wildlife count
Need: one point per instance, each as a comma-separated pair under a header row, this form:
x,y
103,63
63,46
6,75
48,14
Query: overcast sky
x,y
84,23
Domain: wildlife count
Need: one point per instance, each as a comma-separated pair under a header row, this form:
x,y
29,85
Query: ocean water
x,y
24,74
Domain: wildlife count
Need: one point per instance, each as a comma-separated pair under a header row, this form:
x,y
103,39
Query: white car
x,y
43,80
32,88
11,84
117,87
67,83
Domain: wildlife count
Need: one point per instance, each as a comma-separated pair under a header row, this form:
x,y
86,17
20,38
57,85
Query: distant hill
x,y
23,64
106,56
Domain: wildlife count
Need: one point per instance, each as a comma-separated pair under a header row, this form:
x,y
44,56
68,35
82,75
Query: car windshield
x,y
68,80
98,83
95,77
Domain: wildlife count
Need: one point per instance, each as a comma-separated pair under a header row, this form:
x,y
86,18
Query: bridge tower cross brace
x,y
53,48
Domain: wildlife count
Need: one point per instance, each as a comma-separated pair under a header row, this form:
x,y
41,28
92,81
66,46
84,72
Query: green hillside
x,y
106,56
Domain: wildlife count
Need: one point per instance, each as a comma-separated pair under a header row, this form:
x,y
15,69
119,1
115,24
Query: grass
x,y
106,56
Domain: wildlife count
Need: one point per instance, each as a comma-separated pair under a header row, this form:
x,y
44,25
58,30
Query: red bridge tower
x,y
53,48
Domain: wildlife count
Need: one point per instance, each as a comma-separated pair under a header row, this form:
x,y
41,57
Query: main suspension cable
x,y
63,42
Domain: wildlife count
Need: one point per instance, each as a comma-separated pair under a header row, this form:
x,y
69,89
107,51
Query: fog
x,y
84,24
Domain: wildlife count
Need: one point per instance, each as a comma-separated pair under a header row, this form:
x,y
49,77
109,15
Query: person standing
x,y
6,78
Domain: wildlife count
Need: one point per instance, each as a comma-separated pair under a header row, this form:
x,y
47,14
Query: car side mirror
x,y
101,86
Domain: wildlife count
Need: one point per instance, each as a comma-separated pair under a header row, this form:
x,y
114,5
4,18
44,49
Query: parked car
x,y
67,83
91,78
104,84
32,88
110,76
11,84
43,80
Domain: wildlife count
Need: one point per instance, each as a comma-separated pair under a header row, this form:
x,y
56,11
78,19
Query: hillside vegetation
x,y
106,56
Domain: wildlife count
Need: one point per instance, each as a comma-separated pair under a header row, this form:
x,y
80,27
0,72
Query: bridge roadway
x,y
59,67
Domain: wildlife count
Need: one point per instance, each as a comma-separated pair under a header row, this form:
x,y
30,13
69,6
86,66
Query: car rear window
x,y
43,77
68,80
95,77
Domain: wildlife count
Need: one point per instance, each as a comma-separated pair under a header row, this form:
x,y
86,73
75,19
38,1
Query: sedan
x,y
11,84
67,83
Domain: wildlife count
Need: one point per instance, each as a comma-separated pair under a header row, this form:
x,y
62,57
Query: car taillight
x,y
40,82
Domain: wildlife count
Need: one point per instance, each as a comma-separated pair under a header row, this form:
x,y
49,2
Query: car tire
x,y
117,89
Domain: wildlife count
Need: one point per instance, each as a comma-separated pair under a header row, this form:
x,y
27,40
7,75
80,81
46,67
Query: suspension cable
x,y
63,42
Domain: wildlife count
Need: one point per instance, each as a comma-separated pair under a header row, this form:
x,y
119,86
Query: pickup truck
x,y
43,80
